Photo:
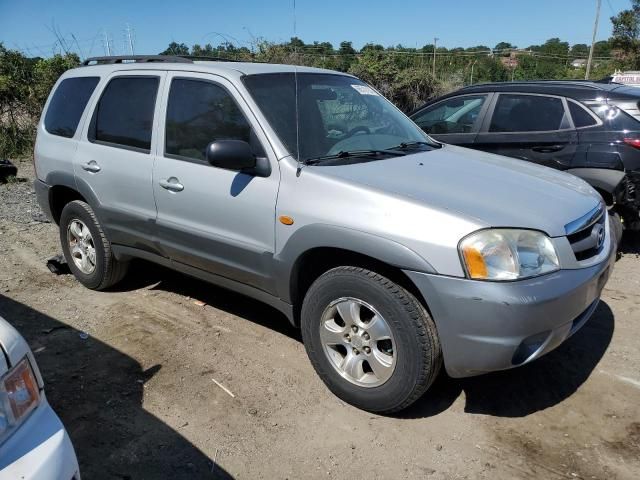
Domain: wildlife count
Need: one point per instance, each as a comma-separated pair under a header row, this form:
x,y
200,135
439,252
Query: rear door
x,y
114,160
531,127
455,120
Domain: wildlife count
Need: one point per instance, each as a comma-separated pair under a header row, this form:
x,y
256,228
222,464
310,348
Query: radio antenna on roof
x,y
295,76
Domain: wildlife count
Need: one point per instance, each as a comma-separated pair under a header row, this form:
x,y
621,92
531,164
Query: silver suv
x,y
306,189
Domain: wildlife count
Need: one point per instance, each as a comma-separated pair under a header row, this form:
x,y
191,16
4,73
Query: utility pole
x,y
473,65
129,39
435,41
593,39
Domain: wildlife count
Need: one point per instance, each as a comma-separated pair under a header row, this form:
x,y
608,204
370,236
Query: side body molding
x,y
314,236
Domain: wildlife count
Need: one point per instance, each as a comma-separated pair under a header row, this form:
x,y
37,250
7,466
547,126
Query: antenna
x,y
295,76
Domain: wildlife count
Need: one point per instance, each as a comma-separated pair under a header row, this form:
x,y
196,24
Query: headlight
x,y
19,395
507,254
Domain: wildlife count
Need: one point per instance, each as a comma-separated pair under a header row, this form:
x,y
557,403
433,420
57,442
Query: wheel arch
x,y
316,249
65,188
604,181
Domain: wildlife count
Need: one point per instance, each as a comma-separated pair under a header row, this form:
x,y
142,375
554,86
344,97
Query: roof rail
x,y
135,59
583,83
208,59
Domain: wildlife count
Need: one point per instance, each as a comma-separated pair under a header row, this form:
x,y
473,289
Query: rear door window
x,y
455,115
124,114
528,113
67,105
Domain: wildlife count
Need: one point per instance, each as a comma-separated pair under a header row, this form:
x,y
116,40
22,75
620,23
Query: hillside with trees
x,y
407,76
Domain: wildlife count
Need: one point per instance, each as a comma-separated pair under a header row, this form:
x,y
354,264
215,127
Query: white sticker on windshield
x,y
364,90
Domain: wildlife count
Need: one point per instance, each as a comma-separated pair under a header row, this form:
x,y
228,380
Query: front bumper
x,y
487,326
39,450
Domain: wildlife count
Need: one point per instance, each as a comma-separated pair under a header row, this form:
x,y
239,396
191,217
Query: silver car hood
x,y
494,190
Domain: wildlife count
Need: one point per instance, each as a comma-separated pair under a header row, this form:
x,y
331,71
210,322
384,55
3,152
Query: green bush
x,y
25,84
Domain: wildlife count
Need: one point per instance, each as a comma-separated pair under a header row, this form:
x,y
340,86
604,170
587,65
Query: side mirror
x,y
230,155
237,155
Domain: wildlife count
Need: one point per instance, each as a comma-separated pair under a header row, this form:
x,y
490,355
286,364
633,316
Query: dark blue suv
x,y
589,129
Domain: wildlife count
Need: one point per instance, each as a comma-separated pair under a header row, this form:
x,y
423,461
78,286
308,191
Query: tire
x,y
616,225
416,353
106,269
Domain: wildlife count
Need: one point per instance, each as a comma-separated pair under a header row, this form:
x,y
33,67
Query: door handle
x,y
91,167
172,184
548,148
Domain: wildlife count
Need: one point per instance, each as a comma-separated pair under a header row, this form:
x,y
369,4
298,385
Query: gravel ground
x,y
169,377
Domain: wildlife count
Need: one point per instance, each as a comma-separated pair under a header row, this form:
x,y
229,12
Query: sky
x,y
30,25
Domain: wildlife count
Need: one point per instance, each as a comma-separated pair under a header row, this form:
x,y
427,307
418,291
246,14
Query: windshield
x,y
336,114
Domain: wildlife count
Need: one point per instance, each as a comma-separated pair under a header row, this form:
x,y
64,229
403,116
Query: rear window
x,y
581,118
67,104
124,114
528,113
615,118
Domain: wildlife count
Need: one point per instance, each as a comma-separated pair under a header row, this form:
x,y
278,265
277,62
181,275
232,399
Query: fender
x,y
68,179
599,178
321,235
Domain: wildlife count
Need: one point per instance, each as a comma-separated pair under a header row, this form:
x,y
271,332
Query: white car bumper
x,y
39,450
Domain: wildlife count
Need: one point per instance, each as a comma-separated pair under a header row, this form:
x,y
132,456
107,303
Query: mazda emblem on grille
x,y
598,234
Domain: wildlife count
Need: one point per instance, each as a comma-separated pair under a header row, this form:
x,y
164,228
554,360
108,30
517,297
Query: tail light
x,y
633,142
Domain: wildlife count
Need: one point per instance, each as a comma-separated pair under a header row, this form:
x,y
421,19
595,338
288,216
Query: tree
x,y
346,54
176,49
626,34
25,84
602,48
372,47
503,46
554,46
579,50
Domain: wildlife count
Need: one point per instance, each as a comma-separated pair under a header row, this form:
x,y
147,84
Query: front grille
x,y
589,241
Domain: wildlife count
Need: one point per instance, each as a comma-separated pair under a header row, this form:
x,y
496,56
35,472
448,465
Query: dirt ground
x,y
140,400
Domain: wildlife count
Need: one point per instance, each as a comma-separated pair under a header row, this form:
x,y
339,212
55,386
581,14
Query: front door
x,y
220,221
455,120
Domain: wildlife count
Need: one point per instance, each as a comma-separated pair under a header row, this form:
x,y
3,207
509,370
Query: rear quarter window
x,y
67,104
581,118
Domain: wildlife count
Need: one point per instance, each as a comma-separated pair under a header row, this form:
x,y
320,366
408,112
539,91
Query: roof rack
x,y
208,59
135,59
583,83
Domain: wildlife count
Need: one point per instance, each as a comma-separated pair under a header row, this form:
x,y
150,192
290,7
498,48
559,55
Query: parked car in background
x,y
306,189
33,441
588,129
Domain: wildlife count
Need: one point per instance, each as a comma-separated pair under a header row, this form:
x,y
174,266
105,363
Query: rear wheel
x,y
86,248
369,339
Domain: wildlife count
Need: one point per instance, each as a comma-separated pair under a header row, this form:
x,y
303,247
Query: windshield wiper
x,y
351,154
408,145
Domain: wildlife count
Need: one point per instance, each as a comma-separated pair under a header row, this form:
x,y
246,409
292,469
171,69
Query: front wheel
x,y
369,339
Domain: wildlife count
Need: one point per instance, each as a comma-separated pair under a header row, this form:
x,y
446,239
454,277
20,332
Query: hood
x,y
494,190
13,346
